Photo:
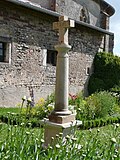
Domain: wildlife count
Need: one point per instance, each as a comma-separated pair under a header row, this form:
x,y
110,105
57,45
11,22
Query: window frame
x,y
51,58
2,51
7,49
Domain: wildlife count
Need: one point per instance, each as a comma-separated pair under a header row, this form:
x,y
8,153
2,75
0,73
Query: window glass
x,y
1,52
5,49
1,45
52,57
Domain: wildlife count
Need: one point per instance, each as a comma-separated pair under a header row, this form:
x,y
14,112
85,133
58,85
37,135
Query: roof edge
x,y
109,8
55,14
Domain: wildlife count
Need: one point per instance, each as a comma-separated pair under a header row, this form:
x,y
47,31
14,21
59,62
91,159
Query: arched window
x,y
84,15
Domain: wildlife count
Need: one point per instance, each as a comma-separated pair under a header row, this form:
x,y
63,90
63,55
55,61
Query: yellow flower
x,y
40,102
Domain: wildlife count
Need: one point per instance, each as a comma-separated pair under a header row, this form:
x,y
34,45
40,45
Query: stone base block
x,y
53,129
62,119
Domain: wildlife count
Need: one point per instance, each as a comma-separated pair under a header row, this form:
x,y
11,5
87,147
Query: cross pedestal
x,y
61,119
53,129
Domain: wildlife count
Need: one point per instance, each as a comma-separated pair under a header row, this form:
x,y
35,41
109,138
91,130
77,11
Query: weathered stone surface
x,y
54,129
31,32
62,119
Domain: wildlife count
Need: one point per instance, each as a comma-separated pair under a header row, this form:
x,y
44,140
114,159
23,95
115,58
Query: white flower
x,y
52,138
29,124
90,130
74,139
79,109
29,100
42,140
57,146
24,98
78,146
113,140
57,136
50,147
22,124
115,156
13,114
61,134
67,137
28,133
117,125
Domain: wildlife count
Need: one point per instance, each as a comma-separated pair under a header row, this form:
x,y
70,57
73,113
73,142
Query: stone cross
x,y
61,119
62,26
62,72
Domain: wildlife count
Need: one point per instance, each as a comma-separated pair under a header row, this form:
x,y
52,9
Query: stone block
x,y
53,129
60,119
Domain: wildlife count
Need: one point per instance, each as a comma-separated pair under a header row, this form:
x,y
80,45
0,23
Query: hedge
x,y
106,73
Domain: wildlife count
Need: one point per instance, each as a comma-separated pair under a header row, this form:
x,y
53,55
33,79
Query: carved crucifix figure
x,y
62,26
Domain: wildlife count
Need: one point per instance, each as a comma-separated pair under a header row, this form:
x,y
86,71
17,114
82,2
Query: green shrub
x,y
41,109
79,102
106,72
100,105
87,124
95,84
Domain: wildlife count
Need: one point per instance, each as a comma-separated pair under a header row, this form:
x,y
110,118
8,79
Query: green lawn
x,y
19,142
11,110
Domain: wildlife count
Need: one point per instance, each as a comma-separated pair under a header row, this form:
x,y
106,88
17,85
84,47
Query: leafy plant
x,y
106,72
100,105
41,109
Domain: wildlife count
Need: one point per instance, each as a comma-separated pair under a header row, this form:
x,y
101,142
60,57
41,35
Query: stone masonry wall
x,y
49,4
72,9
31,32
43,3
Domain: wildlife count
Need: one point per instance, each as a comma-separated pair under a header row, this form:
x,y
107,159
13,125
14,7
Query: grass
x,y
11,110
19,142
101,143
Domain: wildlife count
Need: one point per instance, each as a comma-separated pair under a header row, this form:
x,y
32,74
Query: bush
x,y
87,124
79,102
95,84
106,72
100,105
41,109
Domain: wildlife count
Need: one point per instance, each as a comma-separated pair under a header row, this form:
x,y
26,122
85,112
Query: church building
x,y
27,40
